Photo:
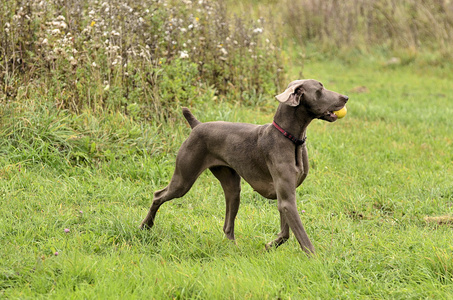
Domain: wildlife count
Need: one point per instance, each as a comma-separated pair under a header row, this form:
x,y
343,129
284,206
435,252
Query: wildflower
x,y
94,64
258,30
184,54
92,23
56,253
62,25
55,31
66,230
223,50
72,61
303,211
58,50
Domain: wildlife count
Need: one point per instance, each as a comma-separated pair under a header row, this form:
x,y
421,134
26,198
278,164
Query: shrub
x,y
154,54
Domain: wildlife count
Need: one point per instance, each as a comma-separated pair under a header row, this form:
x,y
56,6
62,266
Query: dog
x,y
272,158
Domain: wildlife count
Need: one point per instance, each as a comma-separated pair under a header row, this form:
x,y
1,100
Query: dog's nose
x,y
345,98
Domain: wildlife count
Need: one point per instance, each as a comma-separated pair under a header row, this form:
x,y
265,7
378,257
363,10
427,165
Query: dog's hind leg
x,y
231,184
189,165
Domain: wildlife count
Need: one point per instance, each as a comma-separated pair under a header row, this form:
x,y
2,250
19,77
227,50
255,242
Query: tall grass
x,y
361,24
96,55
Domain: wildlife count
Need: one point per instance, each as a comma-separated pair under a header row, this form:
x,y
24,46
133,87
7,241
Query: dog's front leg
x,y
283,236
286,196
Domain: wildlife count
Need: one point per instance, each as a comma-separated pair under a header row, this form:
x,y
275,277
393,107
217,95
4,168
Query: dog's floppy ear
x,y
290,96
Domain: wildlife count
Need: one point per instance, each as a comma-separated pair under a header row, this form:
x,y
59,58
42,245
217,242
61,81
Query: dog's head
x,y
318,101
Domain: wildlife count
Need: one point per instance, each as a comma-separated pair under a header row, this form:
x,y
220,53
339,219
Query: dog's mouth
x,y
329,116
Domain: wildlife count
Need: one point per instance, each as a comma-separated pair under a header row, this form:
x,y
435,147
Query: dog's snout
x,y
345,98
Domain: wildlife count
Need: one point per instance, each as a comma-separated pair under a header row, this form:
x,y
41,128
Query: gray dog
x,y
272,158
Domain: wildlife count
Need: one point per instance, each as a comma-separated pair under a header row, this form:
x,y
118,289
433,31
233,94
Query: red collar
x,y
289,135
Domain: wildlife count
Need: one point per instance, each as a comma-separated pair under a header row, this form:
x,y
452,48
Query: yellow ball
x,y
341,113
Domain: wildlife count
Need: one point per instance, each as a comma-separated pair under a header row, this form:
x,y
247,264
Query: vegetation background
x,y
90,123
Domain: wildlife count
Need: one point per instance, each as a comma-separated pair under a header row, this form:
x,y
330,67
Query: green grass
x,y
374,176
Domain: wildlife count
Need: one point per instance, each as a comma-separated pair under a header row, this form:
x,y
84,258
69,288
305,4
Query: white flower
x,y
58,50
62,25
72,60
184,54
55,31
223,50
258,30
94,64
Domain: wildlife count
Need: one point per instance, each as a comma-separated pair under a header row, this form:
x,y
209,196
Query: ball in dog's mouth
x,y
341,113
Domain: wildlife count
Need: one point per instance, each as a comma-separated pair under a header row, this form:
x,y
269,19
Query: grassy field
x,y
71,230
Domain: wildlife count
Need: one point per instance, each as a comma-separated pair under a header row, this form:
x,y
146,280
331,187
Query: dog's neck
x,y
293,119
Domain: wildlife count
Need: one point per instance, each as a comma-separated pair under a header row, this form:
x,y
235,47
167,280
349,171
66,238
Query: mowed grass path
x,y
375,175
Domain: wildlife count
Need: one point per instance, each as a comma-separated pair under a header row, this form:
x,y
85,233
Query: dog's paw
x,y
269,246
144,226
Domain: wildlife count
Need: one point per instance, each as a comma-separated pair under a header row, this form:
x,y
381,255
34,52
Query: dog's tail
x,y
189,117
